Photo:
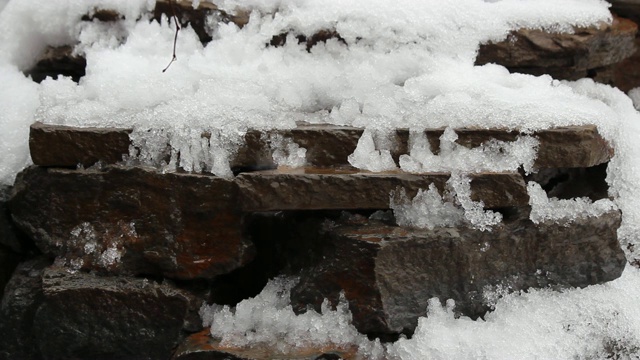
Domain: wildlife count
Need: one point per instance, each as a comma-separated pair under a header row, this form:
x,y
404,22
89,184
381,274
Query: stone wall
x,y
105,259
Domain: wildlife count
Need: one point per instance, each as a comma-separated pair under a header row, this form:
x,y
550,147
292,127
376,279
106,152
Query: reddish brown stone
x,y
326,189
177,225
389,273
202,346
562,54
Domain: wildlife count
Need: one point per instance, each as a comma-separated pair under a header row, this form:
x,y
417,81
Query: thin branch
x,y
175,38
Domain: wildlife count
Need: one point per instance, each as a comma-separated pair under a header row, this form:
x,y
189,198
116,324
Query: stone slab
x,y
133,220
89,316
322,189
327,145
585,48
389,273
202,346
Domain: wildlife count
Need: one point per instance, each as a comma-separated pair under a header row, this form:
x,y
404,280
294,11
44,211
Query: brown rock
x,y
537,51
629,9
56,61
325,189
10,236
65,146
389,273
626,74
133,220
88,316
327,145
22,297
202,346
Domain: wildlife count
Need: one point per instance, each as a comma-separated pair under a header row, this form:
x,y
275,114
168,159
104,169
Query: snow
x,y
406,64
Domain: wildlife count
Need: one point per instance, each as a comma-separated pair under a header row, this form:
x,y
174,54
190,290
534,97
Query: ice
x,y
494,156
428,209
563,211
286,152
269,319
369,156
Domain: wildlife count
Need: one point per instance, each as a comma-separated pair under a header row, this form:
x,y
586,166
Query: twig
x,y
175,38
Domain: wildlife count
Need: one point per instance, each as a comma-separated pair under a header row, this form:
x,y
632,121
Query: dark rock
x,y
316,189
197,18
629,9
202,346
22,297
562,54
58,61
10,236
327,145
8,262
64,146
389,273
626,74
87,316
133,220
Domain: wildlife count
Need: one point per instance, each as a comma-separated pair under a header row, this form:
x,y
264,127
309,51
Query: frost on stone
x,y
269,319
90,248
190,149
428,209
491,156
563,211
286,152
373,152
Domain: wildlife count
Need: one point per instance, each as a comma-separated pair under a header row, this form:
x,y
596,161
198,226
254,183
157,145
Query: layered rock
x,y
133,220
389,273
567,56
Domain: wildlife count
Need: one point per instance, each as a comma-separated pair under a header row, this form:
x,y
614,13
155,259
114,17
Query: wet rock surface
x,y
88,316
389,273
133,221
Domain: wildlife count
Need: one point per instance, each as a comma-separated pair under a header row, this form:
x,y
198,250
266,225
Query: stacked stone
x,y
115,260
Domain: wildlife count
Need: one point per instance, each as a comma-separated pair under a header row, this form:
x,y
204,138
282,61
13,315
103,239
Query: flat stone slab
x,y
202,346
327,145
133,220
389,273
532,51
315,189
84,315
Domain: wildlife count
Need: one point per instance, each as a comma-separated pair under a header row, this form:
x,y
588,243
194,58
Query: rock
x,y
563,55
327,145
389,273
629,9
626,74
88,316
198,18
8,262
315,189
22,297
10,236
57,61
133,220
202,346
64,146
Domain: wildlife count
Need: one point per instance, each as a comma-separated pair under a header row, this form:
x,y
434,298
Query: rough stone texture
x,y
327,145
180,226
316,189
65,146
629,9
562,55
88,316
202,346
56,61
197,17
22,297
389,273
626,74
